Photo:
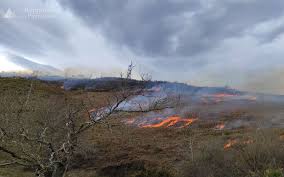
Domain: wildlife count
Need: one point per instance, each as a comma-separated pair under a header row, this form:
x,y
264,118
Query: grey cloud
x,y
149,27
61,40
268,31
145,26
12,37
31,36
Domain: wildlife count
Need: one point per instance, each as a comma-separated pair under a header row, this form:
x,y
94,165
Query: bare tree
x,y
47,143
129,71
145,76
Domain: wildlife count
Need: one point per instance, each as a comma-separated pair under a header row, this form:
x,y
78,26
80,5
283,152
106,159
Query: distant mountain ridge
x,y
50,73
112,83
33,66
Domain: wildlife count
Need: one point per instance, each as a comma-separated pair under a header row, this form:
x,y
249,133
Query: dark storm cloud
x,y
144,26
175,27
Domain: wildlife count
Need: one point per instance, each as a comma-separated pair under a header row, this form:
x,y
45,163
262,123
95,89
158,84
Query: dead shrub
x,y
259,158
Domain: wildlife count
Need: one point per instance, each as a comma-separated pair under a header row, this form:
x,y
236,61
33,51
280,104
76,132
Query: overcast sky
x,y
239,43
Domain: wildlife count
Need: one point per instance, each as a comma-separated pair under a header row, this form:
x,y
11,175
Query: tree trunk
x,y
58,170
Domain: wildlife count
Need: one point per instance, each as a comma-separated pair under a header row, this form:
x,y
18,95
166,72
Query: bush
x,y
260,157
274,173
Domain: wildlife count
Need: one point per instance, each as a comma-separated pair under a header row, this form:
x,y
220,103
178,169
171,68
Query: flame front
x,y
220,97
171,121
220,126
223,95
130,121
230,143
233,142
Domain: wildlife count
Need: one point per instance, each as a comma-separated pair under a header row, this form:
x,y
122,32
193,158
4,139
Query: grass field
x,y
114,149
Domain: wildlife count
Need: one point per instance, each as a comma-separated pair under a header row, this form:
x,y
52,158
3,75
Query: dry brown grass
x,y
115,149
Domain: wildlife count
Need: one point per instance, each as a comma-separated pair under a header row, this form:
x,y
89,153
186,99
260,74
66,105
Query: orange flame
x,y
216,98
230,143
220,126
223,95
252,98
130,121
171,121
